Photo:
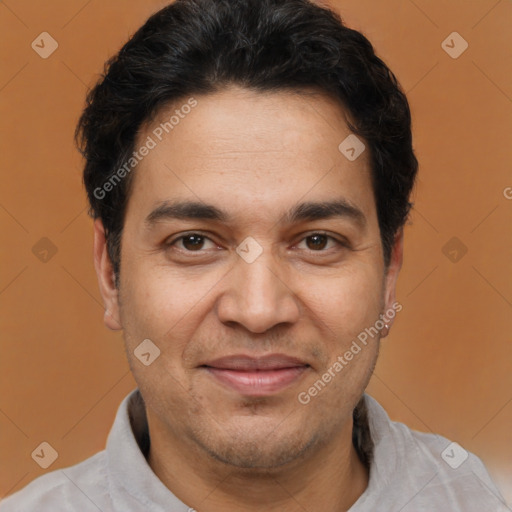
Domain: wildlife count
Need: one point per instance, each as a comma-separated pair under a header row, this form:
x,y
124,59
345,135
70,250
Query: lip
x,y
259,376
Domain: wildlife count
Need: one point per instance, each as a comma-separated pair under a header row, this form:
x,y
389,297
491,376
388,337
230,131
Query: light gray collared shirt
x,y
410,472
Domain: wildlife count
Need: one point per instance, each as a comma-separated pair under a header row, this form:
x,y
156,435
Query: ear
x,y
105,274
395,264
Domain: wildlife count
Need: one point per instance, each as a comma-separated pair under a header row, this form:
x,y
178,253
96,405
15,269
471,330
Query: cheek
x,y
345,309
346,302
162,303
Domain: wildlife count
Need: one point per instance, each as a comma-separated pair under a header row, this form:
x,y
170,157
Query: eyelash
x,y
338,242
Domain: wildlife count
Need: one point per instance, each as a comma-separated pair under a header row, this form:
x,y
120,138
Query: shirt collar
x,y
132,479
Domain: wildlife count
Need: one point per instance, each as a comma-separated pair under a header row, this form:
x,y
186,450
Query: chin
x,y
245,451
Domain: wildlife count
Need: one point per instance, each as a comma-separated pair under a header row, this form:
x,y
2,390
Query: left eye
x,y
319,241
194,242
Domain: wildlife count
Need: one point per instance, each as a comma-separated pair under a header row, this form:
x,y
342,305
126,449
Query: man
x,y
249,165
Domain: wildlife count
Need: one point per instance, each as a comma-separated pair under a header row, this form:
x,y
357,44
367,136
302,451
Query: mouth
x,y
252,376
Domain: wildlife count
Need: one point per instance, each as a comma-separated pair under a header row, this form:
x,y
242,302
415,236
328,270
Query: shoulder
x,y
82,487
425,471
459,477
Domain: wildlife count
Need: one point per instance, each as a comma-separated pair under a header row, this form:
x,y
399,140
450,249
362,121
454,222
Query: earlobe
x,y
111,322
105,275
395,265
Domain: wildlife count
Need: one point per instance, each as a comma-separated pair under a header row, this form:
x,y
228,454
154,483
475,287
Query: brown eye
x,y
318,242
193,242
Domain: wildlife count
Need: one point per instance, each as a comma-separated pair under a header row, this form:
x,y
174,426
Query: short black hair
x,y
202,46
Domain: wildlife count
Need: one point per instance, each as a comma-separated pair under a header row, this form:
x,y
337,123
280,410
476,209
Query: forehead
x,y
238,147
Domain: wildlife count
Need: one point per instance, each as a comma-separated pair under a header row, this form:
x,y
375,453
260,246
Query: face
x,y
250,297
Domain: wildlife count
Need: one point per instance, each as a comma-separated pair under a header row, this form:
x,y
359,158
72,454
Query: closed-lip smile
x,y
256,376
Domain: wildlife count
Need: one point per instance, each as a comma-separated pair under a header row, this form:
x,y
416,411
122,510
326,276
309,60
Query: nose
x,y
257,296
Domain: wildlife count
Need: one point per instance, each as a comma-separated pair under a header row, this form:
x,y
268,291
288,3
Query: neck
x,y
330,479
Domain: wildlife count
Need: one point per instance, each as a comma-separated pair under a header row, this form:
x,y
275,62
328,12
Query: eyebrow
x,y
307,211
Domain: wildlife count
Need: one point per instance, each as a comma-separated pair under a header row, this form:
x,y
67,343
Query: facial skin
x,y
255,156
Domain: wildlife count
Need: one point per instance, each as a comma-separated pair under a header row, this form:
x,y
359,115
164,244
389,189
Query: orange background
x,y
447,365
